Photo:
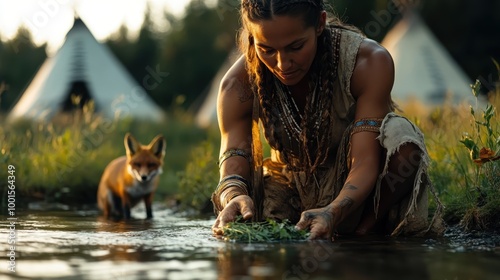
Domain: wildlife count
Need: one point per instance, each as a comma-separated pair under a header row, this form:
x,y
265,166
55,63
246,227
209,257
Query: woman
x,y
341,160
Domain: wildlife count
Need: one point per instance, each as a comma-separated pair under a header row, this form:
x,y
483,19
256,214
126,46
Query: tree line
x,y
190,50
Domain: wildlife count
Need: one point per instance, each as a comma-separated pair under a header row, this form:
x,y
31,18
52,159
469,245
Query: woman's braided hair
x,y
315,146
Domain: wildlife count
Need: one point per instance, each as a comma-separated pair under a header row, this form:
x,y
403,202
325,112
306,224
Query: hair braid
x,y
261,81
316,140
328,74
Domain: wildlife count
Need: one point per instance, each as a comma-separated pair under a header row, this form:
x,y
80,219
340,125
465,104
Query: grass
x,y
198,180
62,161
482,188
468,187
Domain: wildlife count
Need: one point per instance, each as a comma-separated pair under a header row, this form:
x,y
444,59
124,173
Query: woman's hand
x,y
320,221
242,204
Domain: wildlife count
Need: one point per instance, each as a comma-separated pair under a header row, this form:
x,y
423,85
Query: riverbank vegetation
x,y
464,144
62,161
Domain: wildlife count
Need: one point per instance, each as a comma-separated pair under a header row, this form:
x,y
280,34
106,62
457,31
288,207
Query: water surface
x,y
80,245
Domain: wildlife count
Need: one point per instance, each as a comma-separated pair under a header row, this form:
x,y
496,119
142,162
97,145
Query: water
x,y
81,245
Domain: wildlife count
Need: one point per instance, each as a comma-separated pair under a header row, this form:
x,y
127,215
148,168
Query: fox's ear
x,y
131,145
158,146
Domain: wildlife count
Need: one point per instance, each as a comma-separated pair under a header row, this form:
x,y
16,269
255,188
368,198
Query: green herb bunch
x,y
266,231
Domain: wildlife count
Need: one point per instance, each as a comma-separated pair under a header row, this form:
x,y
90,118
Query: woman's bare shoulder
x,y
235,82
235,95
374,65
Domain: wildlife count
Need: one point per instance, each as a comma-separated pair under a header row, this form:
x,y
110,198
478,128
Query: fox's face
x,y
145,162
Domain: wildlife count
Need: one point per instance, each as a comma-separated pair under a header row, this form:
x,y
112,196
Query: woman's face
x,y
286,46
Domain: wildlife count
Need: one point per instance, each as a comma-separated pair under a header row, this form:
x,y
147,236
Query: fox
x,y
131,178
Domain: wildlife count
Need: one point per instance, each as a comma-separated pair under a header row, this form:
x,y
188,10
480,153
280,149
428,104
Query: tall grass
x,y
483,180
468,187
62,161
198,180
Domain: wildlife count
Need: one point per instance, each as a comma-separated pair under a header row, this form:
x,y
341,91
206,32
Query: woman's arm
x,y
371,84
234,111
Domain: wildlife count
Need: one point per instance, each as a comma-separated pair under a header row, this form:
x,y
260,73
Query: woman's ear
x,y
321,23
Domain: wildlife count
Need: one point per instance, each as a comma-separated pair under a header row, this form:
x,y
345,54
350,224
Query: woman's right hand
x,y
240,205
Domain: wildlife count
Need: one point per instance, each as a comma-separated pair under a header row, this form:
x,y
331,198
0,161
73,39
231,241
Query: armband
x,y
372,125
231,153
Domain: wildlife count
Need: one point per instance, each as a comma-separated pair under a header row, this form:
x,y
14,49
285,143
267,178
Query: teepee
x,y
207,113
84,69
424,70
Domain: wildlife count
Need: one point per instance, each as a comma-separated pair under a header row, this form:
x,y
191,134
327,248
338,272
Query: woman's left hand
x,y
320,222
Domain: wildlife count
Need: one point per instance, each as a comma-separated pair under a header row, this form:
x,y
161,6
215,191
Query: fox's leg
x,y
126,211
148,199
104,206
103,199
114,205
125,207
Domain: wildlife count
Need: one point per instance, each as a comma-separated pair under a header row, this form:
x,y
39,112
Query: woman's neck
x,y
300,91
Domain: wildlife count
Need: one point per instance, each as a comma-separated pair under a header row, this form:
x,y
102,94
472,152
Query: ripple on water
x,y
84,246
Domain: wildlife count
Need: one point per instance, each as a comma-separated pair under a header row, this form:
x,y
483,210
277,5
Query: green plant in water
x,y
266,231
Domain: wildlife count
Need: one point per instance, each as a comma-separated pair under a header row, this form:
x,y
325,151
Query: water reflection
x,y
80,245
349,259
120,249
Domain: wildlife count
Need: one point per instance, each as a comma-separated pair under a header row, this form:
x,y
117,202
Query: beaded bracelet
x,y
231,153
220,197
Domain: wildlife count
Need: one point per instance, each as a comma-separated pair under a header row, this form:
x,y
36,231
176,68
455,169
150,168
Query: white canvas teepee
x,y
207,114
425,71
87,68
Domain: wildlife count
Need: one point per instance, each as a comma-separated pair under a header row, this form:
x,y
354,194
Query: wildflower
x,y
486,155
